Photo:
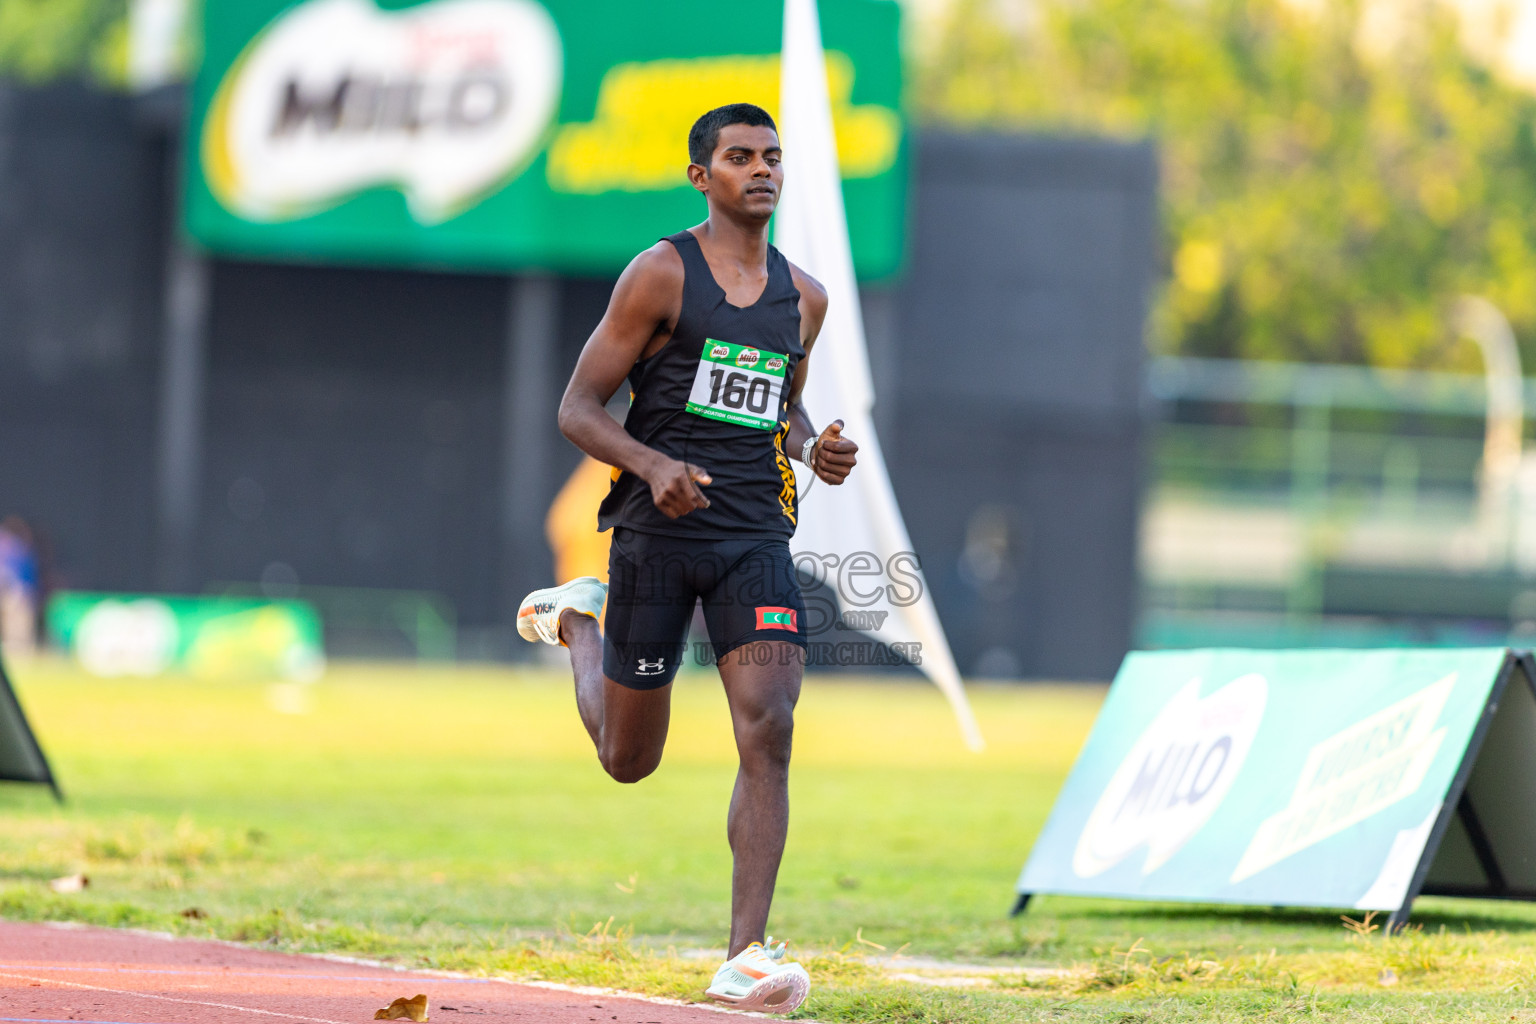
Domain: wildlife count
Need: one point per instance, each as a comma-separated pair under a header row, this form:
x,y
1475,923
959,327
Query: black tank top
x,y
717,395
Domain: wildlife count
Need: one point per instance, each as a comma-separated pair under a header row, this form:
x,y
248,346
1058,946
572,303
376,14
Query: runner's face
x,y
745,172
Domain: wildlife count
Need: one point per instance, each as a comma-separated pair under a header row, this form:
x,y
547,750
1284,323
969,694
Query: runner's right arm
x,y
641,316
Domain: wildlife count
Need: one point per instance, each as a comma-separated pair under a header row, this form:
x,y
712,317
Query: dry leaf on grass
x,y
414,1008
70,883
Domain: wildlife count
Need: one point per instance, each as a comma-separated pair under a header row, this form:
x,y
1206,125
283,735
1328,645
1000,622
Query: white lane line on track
x,y
233,974
615,993
53,1020
167,999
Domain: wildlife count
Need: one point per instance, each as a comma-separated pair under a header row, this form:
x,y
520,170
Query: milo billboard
x,y
507,134
1356,779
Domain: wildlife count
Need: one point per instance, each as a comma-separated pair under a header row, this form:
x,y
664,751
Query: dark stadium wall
x,y
351,430
83,215
1017,453
394,428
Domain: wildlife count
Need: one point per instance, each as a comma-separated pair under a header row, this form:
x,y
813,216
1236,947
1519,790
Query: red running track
x,y
101,976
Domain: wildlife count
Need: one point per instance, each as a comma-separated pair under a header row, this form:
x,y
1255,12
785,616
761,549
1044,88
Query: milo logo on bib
x,y
731,386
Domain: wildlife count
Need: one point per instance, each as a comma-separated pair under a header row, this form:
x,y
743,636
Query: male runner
x,y
712,326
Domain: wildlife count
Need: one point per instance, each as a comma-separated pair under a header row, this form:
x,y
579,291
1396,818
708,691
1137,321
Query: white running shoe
x,y
761,979
539,617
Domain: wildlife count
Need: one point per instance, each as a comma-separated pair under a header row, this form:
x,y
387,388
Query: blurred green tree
x,y
46,40
1329,185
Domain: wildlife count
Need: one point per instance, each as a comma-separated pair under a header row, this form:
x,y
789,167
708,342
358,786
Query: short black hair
x,y
704,136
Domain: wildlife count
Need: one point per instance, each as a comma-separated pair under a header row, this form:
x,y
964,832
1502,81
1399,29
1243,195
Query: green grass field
x,y
456,817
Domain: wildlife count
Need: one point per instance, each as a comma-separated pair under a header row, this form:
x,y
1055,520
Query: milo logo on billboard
x,y
445,101
1174,776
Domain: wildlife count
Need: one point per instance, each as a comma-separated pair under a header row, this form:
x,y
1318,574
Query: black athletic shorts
x,y
749,588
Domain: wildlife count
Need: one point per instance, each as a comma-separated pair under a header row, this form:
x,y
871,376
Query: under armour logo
x,y
650,668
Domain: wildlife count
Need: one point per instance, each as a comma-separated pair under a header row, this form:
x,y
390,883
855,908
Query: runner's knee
x,y
629,765
765,735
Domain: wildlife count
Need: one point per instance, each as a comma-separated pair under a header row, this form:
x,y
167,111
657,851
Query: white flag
x,y
811,229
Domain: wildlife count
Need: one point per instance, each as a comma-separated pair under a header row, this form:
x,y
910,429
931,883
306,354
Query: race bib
x,y
739,385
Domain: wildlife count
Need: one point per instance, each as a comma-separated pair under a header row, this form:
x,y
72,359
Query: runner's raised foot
x,y
538,618
761,979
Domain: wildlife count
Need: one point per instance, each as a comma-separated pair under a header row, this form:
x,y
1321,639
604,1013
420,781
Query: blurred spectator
x,y
18,587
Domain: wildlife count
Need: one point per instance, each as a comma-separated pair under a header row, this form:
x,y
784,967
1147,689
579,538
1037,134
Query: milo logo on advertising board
x,y
1174,777
748,357
445,101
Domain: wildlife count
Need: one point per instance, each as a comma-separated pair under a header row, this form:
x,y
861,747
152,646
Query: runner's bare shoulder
x,y
813,297
652,284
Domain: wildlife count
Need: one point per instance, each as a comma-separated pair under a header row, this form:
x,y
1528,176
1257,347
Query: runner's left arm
x,y
834,456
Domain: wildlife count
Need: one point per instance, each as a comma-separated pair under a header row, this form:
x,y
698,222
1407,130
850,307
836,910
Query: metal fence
x,y
1296,504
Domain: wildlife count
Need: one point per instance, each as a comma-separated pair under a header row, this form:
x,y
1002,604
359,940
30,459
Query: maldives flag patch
x,y
776,618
